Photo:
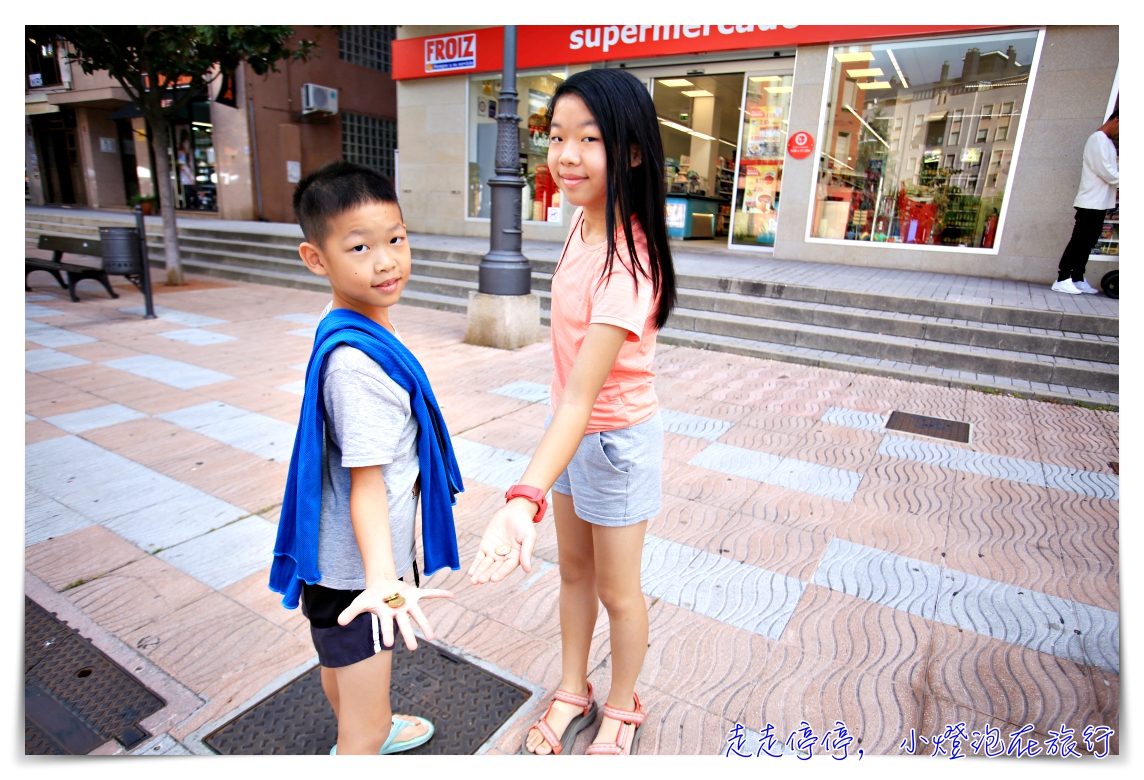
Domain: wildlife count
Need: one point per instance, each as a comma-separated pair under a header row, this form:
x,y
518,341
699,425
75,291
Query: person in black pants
x,y
1099,179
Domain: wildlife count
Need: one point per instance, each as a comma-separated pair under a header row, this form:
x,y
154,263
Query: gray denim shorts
x,y
616,477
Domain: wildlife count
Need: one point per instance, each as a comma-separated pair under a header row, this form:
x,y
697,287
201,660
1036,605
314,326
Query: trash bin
x,y
120,250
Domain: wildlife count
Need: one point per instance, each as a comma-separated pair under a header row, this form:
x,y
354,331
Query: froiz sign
x,y
451,52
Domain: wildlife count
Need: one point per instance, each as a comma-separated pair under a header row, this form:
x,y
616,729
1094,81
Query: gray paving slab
x,y
148,509
532,392
251,432
719,588
827,481
224,556
91,419
493,466
986,464
197,337
31,310
46,518
50,336
302,318
186,319
1048,624
297,388
849,418
174,373
37,360
693,425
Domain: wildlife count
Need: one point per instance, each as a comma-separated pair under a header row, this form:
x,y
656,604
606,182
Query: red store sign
x,y
556,45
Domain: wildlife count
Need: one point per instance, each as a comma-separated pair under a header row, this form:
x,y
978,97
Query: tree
x,y
165,67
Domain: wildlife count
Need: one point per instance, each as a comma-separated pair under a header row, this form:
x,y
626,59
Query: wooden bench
x,y
58,245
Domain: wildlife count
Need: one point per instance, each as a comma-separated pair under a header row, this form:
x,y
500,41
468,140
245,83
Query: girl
x,y
602,452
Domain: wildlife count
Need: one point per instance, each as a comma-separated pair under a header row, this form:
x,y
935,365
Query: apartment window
x,y
1006,109
987,111
955,127
366,44
40,66
982,135
919,121
949,161
369,141
1002,133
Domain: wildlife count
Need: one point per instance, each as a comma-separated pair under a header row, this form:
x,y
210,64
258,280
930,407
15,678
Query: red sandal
x,y
627,718
574,727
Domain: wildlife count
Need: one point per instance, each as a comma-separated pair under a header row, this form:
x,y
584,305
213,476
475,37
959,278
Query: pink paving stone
x,y
38,430
136,594
254,593
1010,682
79,556
800,685
860,634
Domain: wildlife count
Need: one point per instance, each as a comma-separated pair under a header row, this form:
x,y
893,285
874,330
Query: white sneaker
x,y
1066,286
1085,287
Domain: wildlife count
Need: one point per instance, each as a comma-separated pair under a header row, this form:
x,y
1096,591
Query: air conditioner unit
x,y
319,100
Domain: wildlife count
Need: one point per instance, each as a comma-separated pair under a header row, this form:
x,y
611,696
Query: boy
x,y
370,442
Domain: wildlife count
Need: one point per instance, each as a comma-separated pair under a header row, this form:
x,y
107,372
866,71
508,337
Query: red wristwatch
x,y
535,495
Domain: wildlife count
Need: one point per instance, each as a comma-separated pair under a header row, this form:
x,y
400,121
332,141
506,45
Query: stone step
x,y
880,367
1104,349
244,247
994,346
1046,369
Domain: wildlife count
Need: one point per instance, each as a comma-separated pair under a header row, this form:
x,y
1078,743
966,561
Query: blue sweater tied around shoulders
x,y
296,548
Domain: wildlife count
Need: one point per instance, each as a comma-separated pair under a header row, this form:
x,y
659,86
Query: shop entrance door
x,y
724,129
762,148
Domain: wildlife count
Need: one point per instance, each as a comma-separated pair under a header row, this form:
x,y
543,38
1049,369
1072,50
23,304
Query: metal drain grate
x,y
75,697
466,704
938,428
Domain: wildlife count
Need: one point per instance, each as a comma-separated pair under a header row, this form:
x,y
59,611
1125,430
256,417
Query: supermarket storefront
x,y
871,145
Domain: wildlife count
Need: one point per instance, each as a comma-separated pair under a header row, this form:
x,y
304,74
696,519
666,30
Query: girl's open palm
x,y
511,526
372,600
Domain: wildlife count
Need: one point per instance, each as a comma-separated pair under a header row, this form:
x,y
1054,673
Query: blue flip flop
x,y
399,725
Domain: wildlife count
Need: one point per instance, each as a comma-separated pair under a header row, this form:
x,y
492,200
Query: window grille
x,y
369,141
366,44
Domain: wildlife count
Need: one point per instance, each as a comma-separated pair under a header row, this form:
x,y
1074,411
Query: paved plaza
x,y
809,565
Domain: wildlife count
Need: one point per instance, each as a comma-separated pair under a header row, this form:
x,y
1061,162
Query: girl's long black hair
x,y
626,116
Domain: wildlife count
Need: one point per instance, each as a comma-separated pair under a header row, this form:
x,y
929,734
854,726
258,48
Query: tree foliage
x,y
163,68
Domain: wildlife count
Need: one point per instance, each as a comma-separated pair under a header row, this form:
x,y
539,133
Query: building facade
x,y
953,149
86,142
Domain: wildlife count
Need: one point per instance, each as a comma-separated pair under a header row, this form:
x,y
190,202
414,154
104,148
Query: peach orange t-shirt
x,y
581,297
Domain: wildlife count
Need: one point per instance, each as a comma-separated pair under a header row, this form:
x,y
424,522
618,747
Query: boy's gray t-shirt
x,y
368,423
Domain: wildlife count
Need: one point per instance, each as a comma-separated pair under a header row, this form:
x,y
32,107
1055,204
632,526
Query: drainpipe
x,y
254,152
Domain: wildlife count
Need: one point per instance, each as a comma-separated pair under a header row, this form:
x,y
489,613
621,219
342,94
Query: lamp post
x,y
505,270
504,312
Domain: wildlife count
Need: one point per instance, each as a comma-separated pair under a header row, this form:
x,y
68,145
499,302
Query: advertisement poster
x,y
760,183
764,132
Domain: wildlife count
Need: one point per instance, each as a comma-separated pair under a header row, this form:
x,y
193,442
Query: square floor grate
x,y
938,428
466,704
75,697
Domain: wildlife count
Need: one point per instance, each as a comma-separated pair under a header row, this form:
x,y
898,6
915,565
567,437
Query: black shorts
x,y
337,645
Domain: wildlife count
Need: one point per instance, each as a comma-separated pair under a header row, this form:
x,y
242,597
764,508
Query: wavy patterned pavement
x,y
807,565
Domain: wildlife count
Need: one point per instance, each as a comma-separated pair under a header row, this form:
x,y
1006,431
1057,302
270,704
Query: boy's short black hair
x,y
335,188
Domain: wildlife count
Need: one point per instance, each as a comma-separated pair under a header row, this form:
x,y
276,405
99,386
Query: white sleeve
x,y
1101,158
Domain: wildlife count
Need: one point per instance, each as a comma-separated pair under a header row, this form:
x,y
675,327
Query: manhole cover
x,y
466,703
75,697
938,428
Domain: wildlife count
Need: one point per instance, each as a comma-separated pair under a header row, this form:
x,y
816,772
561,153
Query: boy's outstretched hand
x,y
372,600
511,527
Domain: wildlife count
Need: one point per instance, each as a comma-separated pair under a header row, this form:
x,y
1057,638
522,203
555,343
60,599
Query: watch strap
x,y
535,495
